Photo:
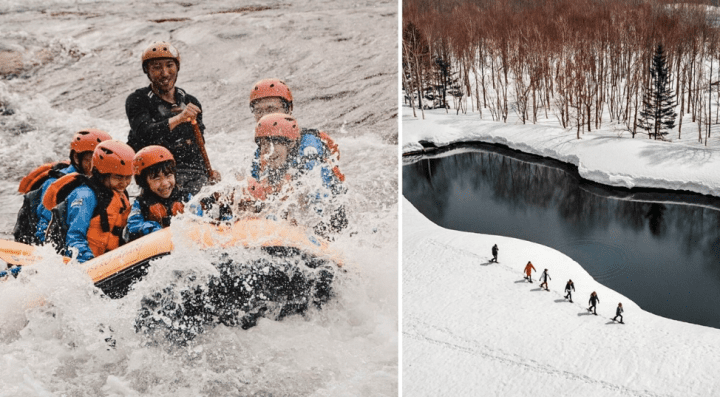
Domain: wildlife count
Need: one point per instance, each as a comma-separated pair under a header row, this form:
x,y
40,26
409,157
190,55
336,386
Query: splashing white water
x,y
335,58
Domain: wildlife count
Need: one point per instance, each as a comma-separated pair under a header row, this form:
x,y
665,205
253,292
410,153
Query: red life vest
x,y
39,175
109,217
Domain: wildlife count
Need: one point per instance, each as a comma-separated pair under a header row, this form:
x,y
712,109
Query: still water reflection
x,y
662,251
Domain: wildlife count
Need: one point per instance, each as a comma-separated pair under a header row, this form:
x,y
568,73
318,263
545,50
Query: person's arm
x,y
80,206
191,111
137,225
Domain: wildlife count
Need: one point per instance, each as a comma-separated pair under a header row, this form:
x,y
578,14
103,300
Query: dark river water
x,y
660,249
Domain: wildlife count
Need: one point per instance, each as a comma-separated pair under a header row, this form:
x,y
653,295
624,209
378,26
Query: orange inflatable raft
x,y
115,271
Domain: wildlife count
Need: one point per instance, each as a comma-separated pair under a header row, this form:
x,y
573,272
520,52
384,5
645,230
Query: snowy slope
x,y
474,328
79,62
607,156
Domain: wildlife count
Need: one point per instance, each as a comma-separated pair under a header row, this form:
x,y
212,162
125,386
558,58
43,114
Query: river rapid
x,y
70,65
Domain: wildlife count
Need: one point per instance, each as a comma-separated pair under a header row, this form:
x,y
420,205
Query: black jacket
x,y
148,116
594,299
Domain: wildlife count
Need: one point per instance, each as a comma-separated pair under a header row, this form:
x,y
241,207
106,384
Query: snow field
x,y
471,327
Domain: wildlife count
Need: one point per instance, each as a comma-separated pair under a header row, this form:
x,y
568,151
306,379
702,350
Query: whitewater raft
x,y
287,270
115,271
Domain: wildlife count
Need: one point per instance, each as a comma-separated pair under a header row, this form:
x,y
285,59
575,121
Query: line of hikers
x,y
82,205
569,289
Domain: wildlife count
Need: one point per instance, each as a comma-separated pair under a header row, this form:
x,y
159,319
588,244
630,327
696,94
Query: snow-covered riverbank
x,y
608,156
471,327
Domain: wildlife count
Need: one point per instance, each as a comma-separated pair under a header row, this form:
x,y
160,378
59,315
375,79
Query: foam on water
x,y
55,323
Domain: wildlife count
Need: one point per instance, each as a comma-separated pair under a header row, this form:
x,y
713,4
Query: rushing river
x,y
660,249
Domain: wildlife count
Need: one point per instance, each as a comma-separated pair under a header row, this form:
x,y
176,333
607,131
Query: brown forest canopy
x,y
578,58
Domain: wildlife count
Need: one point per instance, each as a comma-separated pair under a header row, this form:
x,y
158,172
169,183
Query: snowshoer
x,y
529,268
160,198
163,114
618,313
33,217
315,147
544,278
594,300
494,253
89,213
569,288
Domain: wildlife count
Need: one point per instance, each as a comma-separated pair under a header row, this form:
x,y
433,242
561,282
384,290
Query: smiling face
x,y
117,182
162,73
161,183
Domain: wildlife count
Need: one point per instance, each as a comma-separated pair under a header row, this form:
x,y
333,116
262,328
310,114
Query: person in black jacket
x,y
494,253
618,313
569,288
594,300
163,114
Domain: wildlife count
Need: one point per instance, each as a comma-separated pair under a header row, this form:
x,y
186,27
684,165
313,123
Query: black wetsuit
x,y
148,115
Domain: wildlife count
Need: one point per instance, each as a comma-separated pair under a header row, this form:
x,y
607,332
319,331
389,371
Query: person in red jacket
x,y
528,271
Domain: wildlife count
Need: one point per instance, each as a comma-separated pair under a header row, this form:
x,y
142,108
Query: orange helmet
x,y
86,140
149,156
160,49
270,88
277,125
113,157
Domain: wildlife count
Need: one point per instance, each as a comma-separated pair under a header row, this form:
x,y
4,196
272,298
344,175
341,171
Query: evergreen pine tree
x,y
658,115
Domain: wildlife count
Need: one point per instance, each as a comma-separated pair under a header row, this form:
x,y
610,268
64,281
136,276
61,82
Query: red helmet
x,y
160,49
149,156
113,157
277,125
270,88
86,140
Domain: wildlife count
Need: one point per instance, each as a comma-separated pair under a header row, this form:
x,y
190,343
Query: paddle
x,y
213,176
